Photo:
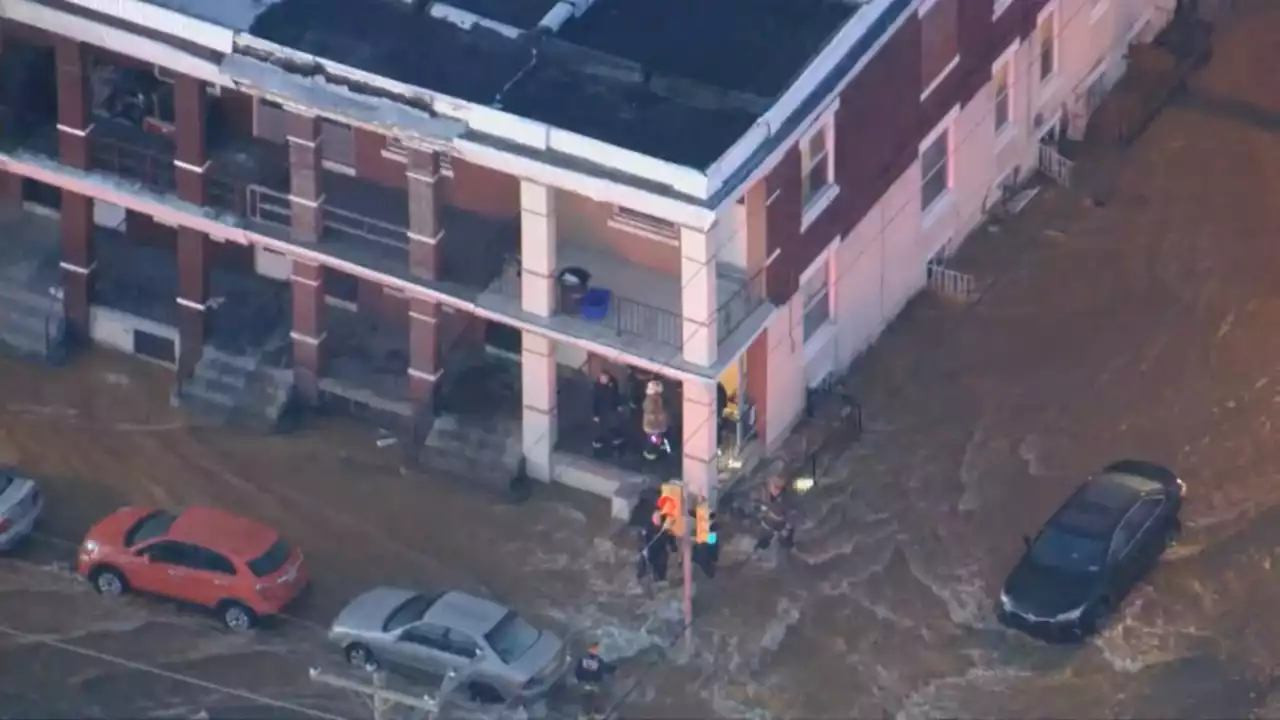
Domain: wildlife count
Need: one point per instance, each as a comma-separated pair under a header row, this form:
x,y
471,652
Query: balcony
x,y
643,313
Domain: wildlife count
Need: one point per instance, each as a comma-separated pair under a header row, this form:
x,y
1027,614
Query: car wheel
x,y
237,616
362,657
109,582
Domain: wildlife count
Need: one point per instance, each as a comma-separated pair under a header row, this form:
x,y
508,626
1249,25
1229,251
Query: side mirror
x,y
1026,541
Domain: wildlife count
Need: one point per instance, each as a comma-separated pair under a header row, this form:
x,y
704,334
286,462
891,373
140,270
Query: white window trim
x,y
1007,59
1000,7
1049,11
824,263
928,215
1098,10
933,85
823,198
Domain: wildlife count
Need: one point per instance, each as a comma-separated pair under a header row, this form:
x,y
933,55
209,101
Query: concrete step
x,y
221,359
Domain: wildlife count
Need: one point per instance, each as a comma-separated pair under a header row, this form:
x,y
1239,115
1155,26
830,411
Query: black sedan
x,y
1105,538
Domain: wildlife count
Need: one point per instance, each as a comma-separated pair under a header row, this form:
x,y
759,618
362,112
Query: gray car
x,y
477,643
20,505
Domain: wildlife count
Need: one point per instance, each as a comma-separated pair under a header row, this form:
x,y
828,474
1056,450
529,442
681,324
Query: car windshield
x,y
410,611
1059,549
512,637
272,560
152,526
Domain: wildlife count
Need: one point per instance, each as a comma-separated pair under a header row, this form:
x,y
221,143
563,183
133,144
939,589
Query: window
x,y
428,636
512,637
5,482
939,42
935,168
270,121
210,561
458,643
817,163
341,286
272,560
171,553
337,146
152,526
410,611
815,289
1046,36
634,221
1131,527
1003,81
1058,548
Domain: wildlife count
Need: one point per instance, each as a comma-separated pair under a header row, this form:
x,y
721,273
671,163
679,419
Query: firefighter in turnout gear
x,y
775,515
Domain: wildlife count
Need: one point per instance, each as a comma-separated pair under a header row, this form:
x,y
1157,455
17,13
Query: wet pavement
x,y
1144,328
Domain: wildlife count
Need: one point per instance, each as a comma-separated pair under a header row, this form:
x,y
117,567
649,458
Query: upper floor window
x,y
817,170
1002,77
935,165
337,146
634,221
939,42
816,294
270,121
1047,41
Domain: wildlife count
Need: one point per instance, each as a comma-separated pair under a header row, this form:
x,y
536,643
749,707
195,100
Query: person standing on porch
x,y
654,422
606,406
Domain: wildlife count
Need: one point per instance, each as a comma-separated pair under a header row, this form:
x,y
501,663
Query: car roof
x,y
1098,506
222,532
472,615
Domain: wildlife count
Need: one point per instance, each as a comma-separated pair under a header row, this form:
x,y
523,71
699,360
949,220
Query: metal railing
x,y
625,316
151,169
950,283
268,206
733,312
361,227
1054,165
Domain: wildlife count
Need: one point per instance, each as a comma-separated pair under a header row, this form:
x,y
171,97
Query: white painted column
x,y
537,248
537,353
698,295
700,439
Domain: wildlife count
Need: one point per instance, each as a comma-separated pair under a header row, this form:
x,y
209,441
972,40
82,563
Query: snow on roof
x,y
235,15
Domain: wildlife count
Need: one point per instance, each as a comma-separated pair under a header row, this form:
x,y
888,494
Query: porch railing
x,y
744,301
273,207
1054,165
625,316
268,206
152,169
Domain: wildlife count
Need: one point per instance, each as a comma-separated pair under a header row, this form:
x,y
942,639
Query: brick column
x,y
191,159
701,436
190,163
698,295
73,103
537,353
424,350
306,196
77,210
193,296
77,262
426,230
308,328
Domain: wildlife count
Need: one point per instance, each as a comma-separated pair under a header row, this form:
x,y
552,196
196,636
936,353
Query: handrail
x,y
132,162
626,316
733,312
365,227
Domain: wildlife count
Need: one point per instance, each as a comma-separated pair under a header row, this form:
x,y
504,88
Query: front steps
x,y
33,325
484,450
237,390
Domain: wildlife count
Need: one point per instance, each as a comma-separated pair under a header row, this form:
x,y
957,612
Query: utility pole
x,y
381,698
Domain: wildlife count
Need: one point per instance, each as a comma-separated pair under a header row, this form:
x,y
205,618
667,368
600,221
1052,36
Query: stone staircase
x,y
484,450
33,325
237,390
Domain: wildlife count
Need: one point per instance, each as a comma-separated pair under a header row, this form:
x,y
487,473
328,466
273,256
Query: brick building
x,y
340,199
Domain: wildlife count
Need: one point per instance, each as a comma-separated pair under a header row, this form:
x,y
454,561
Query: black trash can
x,y
573,283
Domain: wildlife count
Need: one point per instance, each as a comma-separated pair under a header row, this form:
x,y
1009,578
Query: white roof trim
x,y
818,69
779,152
105,36
200,32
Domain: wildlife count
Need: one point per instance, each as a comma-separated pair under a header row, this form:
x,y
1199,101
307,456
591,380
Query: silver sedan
x,y
471,642
20,505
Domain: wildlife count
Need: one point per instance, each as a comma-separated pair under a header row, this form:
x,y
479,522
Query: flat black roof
x,y
679,80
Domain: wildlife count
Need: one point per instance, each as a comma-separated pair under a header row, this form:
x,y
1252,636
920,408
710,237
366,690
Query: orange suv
x,y
240,568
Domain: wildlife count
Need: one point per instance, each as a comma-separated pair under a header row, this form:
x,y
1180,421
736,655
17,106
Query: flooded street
x,y
1144,328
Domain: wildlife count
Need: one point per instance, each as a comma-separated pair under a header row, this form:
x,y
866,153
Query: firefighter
x,y
606,406
591,673
655,422
775,515
658,543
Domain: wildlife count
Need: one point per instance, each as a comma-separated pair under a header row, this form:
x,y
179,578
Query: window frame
x,y
1006,62
944,129
824,265
814,202
1048,14
924,9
